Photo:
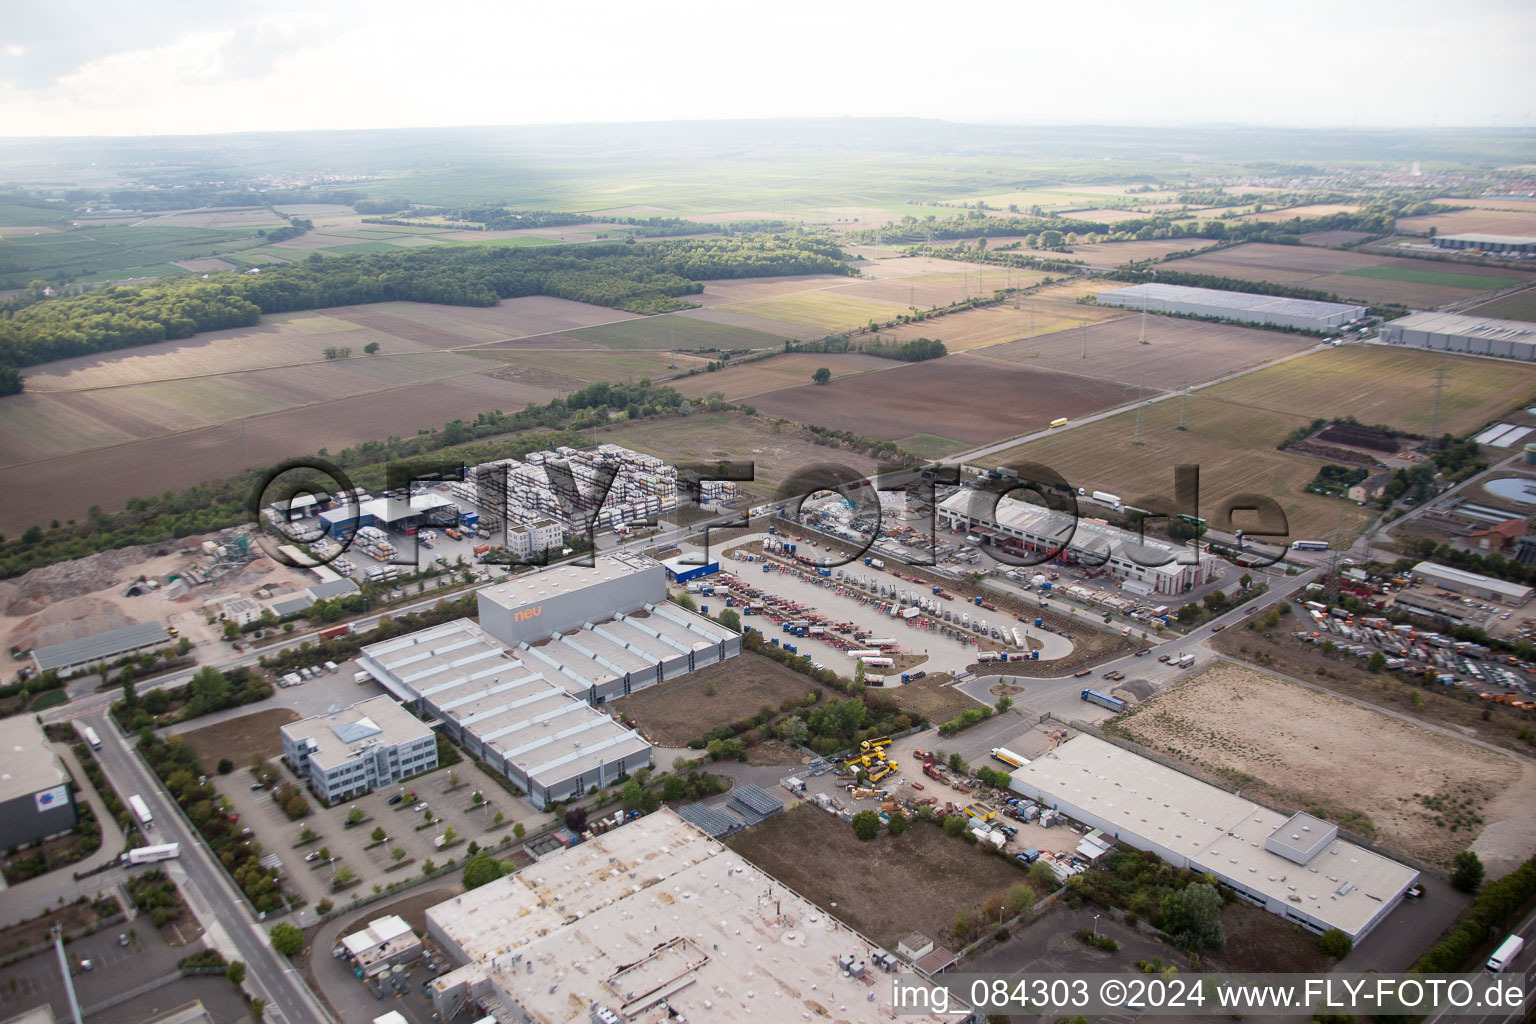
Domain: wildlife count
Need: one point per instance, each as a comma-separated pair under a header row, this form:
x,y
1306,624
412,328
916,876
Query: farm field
x,y
588,366
1233,427
931,446
968,399
122,252
936,876
1178,351
1102,215
1517,306
747,289
672,713
1291,213
777,373
1297,746
727,435
62,486
1114,254
1512,218
669,331
929,290
777,328
1357,275
828,310
1334,237
1051,309
1394,386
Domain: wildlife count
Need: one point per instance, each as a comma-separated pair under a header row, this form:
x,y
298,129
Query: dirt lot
x,y
935,876
671,714
1412,789
242,739
30,933
931,698
1177,351
964,399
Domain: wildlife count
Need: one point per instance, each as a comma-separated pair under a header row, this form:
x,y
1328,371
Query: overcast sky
x,y
103,67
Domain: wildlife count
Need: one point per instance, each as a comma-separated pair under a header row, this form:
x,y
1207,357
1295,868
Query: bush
x,y
954,825
1335,943
1104,942
235,972
483,869
896,824
866,825
225,767
1498,901
1467,871
287,939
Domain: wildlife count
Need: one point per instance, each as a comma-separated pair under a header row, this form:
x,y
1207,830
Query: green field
x,y
30,216
1448,279
1517,306
824,310
674,332
112,252
931,446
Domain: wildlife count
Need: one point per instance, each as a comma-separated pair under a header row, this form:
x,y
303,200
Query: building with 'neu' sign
x,y
36,796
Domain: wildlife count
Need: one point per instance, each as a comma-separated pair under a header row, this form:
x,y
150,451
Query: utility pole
x,y
1082,331
1434,421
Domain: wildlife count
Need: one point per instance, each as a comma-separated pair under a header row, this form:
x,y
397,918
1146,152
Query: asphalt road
x,y
1523,970
225,914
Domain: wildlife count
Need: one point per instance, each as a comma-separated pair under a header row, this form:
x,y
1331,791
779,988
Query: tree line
x,y
640,279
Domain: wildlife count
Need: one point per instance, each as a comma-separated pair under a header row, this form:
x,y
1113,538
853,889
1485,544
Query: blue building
x,y
684,568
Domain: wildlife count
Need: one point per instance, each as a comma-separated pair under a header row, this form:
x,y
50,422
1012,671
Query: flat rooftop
x,y
27,763
1342,883
340,736
1242,301
565,579
656,910
1457,325
1434,570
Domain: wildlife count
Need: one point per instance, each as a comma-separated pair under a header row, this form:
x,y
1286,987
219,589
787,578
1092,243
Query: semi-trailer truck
x,y
150,854
1008,757
141,811
1103,700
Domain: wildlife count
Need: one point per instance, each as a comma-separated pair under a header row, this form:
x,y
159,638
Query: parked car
x,y
1414,892
1162,657
419,807
396,799
310,858
1143,652
1218,627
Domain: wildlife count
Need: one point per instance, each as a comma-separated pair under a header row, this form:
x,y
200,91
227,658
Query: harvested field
x,y
1292,212
1516,219
1353,275
827,310
1515,306
1394,386
668,332
1334,237
64,486
1053,309
1233,427
885,405
1178,351
775,454
744,289
242,739
714,315
1103,216
930,290
595,366
1300,749
931,446
936,876
777,373
228,217
1114,254
675,712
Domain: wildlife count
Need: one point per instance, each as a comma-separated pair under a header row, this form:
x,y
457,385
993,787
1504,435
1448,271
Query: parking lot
x,y
854,597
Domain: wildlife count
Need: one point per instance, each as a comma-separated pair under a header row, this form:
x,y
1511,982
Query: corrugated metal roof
x,y
1471,579
333,588
101,647
754,803
1245,301
716,824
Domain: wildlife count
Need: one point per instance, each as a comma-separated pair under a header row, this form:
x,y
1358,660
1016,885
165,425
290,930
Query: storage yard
x,y
1406,788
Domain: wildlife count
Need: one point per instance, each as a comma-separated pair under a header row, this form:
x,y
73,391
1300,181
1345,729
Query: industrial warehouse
x,y
1301,314
37,798
1523,244
1021,527
653,921
1462,582
1471,335
521,689
1291,865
